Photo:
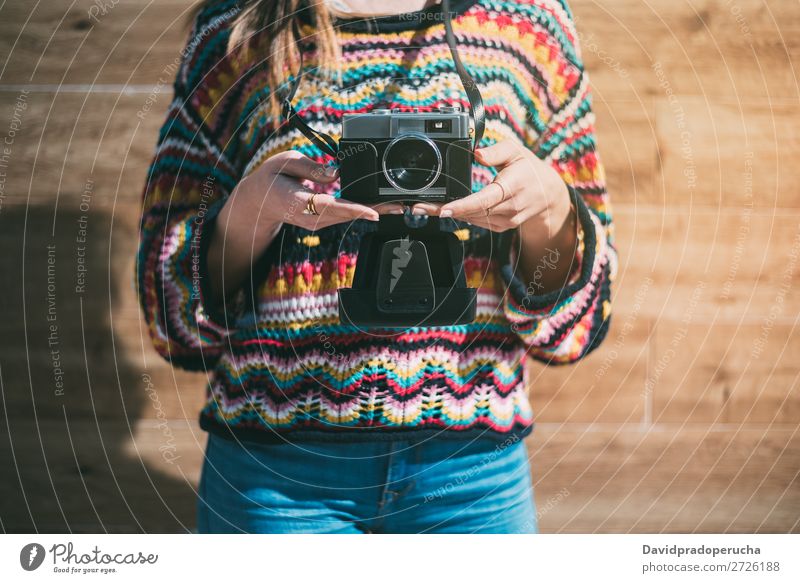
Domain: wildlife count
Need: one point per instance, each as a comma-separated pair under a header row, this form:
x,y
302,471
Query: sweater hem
x,y
358,435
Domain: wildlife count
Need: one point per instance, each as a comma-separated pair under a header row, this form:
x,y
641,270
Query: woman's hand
x,y
276,192
528,194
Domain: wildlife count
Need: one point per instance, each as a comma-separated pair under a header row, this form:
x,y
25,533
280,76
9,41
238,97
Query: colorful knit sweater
x,y
281,365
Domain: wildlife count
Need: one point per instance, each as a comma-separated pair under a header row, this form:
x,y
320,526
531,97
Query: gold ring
x,y
503,188
311,209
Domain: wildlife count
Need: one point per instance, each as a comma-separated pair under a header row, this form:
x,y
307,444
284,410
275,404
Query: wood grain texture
x,y
726,373
727,155
70,475
718,49
666,479
720,266
605,387
61,41
100,343
627,143
71,143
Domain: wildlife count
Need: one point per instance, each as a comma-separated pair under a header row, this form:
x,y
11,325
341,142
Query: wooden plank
x,y
726,373
719,154
603,387
92,249
86,477
666,479
121,391
704,271
728,51
69,144
586,479
98,329
61,41
110,241
628,147
728,264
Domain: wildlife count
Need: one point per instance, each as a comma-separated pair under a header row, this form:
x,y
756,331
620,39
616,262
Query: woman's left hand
x,y
527,192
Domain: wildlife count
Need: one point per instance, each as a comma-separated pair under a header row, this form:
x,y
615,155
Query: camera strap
x,y
473,93
323,141
329,146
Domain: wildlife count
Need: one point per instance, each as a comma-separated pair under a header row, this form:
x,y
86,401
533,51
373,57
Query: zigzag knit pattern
x,y
281,364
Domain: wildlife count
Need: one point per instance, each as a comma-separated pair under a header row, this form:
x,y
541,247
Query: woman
x,y
315,426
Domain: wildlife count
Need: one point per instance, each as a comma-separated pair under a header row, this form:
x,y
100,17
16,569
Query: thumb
x,y
500,154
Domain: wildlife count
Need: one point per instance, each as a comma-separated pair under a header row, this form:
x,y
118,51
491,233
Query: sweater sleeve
x,y
187,183
564,325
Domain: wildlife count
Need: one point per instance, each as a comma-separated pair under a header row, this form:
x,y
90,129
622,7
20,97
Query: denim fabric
x,y
433,486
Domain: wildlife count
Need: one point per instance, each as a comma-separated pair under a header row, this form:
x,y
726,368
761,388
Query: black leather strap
x,y
473,93
323,141
329,146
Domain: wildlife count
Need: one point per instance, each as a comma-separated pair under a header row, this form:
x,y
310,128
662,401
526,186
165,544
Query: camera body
x,y
391,155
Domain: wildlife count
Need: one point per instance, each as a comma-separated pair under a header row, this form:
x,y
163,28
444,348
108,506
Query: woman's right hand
x,y
276,192
279,189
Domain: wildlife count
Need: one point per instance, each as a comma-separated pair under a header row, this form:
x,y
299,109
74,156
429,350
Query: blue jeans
x,y
435,486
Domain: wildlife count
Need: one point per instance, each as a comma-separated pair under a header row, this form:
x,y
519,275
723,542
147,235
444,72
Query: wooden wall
x,y
686,419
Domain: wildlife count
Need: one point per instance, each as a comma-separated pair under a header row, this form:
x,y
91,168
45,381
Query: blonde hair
x,y
265,29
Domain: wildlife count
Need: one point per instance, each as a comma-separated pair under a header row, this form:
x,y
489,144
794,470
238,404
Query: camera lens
x,y
412,162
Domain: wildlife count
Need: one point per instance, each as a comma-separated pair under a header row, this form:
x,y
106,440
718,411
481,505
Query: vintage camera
x,y
407,276
392,155
407,273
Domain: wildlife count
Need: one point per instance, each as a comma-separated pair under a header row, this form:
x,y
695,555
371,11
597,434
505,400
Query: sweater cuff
x,y
227,311
522,298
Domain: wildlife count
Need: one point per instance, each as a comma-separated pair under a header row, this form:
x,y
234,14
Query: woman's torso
x,y
291,364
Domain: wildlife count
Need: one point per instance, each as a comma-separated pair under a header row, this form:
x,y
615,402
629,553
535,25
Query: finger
x,y
426,208
500,154
389,208
328,204
499,219
485,198
315,223
293,163
509,207
321,221
490,223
